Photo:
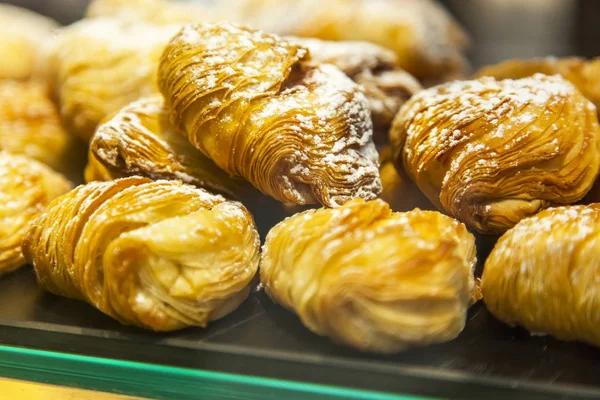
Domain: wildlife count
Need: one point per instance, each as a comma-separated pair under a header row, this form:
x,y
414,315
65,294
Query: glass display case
x,y
261,351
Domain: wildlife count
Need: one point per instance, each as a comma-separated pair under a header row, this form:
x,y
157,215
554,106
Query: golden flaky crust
x,y
584,74
370,278
299,133
491,152
375,68
26,188
543,274
160,255
30,125
140,140
22,33
97,66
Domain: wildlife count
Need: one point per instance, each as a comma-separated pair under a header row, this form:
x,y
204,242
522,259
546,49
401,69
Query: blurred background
x,y
500,29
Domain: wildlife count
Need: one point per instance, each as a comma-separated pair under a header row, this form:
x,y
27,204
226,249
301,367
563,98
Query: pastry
x,y
584,74
30,125
26,188
397,189
139,140
21,34
298,132
370,278
375,68
97,66
160,255
543,274
491,153
428,42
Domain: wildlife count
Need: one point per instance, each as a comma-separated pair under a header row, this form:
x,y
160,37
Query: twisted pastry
x,y
30,125
375,68
584,74
301,134
26,187
96,67
139,140
491,152
21,34
160,255
543,274
370,278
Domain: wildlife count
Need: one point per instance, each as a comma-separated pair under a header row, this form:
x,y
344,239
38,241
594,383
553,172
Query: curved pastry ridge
x,y
140,140
26,188
370,278
543,274
299,133
161,255
494,152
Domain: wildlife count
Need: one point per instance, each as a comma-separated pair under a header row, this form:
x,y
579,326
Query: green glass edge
x,y
161,381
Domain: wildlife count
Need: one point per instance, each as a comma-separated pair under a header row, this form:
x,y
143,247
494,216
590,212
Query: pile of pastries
x,y
357,117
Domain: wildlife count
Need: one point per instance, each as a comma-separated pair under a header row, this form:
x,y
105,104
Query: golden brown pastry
x,y
26,188
397,189
372,279
97,66
299,133
543,274
139,140
375,68
22,32
491,153
584,74
160,255
30,125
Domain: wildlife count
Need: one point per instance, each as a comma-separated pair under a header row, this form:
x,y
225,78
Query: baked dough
x,y
160,255
26,188
543,274
97,66
140,140
375,68
22,33
372,279
299,133
491,153
30,125
584,74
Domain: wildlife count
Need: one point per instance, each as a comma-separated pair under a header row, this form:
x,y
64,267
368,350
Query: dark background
x,y
500,29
